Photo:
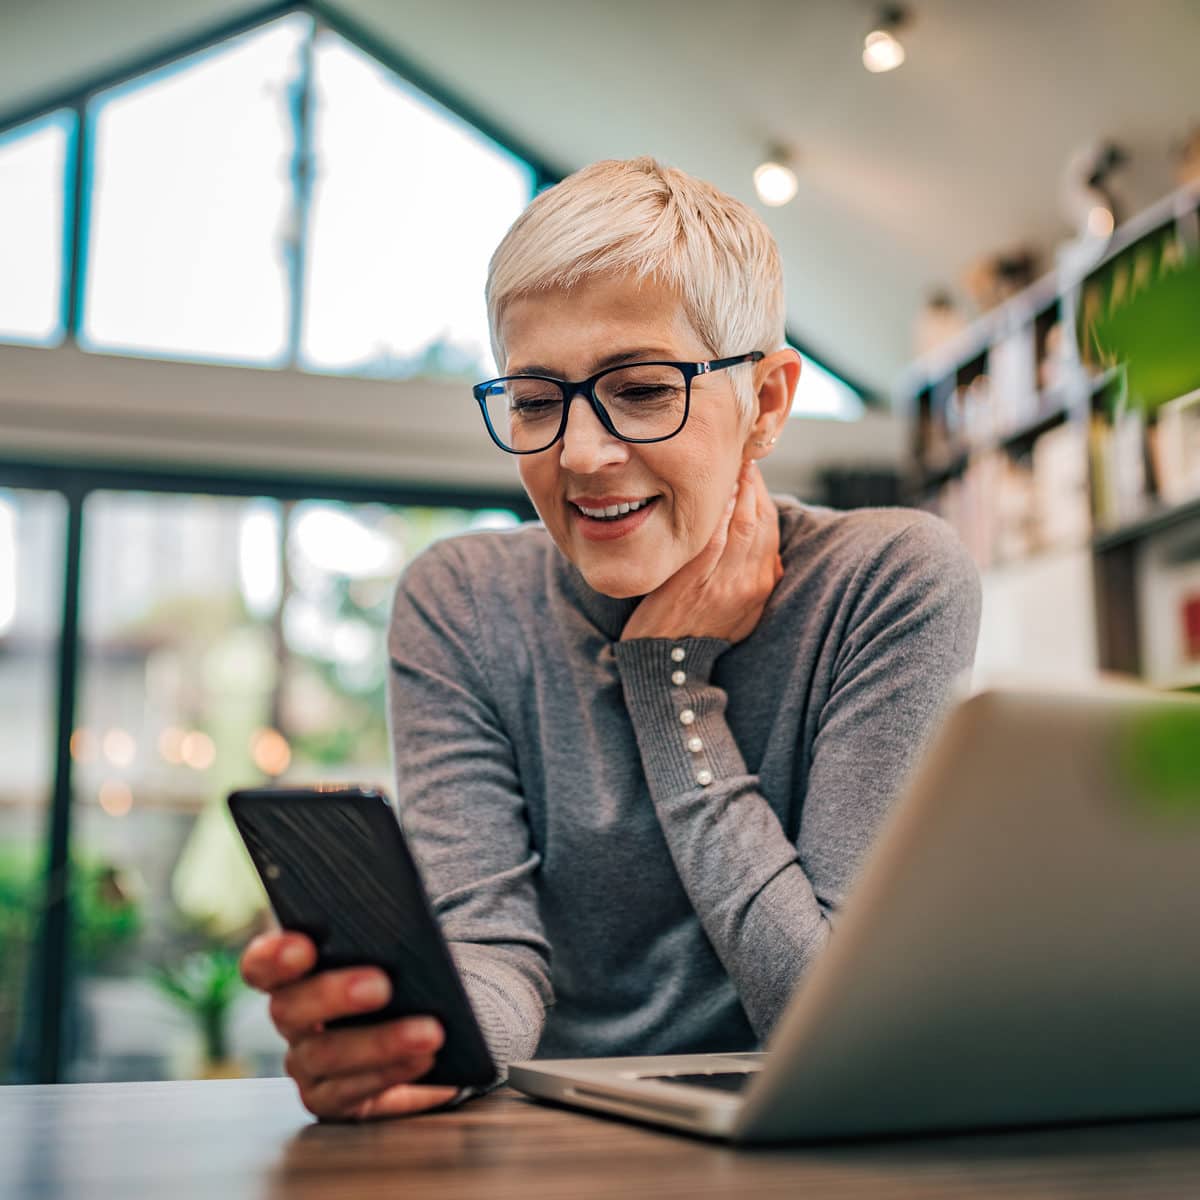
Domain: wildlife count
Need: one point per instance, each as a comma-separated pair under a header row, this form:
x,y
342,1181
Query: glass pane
x,y
342,564
823,394
33,162
191,203
227,642
32,529
408,206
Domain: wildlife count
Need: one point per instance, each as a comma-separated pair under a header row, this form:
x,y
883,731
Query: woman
x,y
643,746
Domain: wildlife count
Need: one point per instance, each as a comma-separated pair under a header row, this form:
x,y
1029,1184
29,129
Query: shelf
x,y
1032,429
1187,681
1154,521
1097,383
986,484
933,477
1027,432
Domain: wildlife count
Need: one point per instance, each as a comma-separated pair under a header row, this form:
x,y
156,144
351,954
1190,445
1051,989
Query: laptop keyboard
x,y
724,1081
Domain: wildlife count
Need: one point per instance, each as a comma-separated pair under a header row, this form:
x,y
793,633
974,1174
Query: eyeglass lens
x,y
644,401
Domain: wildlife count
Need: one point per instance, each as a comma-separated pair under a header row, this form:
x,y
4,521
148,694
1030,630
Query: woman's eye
x,y
645,393
531,405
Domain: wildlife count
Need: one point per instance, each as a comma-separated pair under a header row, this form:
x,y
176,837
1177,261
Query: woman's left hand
x,y
721,592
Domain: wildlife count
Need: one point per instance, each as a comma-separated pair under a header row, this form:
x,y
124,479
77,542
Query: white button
x,y
686,717
677,654
678,678
695,745
704,777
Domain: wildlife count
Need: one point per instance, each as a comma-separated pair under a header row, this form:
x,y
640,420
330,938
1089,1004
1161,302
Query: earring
x,y
767,442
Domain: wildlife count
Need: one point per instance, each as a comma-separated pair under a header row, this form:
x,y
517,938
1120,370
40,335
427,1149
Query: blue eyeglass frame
x,y
587,388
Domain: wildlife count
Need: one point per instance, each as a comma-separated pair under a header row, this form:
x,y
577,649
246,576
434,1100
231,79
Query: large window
x,y
227,642
191,204
33,189
286,187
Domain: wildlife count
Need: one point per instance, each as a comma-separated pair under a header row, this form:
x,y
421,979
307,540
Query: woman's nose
x,y
586,445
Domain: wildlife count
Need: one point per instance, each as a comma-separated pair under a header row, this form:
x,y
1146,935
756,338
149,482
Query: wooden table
x,y
251,1138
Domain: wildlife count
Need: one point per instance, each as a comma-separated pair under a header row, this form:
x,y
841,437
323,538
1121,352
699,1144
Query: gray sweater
x,y
598,898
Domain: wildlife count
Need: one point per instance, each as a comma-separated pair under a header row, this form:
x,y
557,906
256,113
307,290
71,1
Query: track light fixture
x,y
882,50
774,178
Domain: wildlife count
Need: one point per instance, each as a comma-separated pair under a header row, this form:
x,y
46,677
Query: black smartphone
x,y
336,867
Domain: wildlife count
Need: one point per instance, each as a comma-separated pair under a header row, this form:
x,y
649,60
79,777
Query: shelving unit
x,y
1034,440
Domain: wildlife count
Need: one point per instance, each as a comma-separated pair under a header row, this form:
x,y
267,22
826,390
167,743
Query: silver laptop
x,y
1023,946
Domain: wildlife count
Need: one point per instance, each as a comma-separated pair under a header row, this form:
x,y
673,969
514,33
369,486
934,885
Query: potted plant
x,y
205,985
106,919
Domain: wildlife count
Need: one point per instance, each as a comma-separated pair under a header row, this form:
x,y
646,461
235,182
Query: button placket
x,y
687,717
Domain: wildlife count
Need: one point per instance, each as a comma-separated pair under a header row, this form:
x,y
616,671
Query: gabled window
x,y
279,198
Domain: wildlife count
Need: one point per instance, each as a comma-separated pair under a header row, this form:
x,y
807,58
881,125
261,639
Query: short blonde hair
x,y
651,221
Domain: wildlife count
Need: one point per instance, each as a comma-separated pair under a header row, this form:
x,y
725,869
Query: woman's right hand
x,y
354,1073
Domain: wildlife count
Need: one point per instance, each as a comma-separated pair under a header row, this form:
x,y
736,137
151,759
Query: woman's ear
x,y
775,380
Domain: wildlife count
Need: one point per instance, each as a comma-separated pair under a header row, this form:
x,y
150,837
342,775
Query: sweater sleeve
x,y
461,805
765,902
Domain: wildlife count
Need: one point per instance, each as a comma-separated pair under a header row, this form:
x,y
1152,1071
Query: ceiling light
x,y
882,50
774,179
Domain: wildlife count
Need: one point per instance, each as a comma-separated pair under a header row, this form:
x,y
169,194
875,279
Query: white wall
x,y
67,404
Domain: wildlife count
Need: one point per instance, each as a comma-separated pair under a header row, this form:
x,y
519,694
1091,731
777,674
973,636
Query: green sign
x,y
1142,308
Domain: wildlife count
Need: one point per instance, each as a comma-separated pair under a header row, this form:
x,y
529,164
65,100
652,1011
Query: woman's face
x,y
688,479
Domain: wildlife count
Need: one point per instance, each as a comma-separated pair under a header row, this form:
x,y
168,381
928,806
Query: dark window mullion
x,y
51,955
301,102
77,207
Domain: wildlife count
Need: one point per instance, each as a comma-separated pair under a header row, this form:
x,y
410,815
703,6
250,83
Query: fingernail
x,y
421,1029
293,956
370,990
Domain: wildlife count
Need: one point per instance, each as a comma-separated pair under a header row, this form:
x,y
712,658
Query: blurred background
x,y
242,253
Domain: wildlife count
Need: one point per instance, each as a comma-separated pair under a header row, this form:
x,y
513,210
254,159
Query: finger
x,y
698,569
299,1007
768,514
740,554
765,552
403,1099
339,1097
348,1051
277,958
743,524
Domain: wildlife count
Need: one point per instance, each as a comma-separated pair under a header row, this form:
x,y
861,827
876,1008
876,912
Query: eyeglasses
x,y
639,402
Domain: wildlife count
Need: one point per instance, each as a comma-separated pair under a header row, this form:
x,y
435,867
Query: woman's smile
x,y
604,519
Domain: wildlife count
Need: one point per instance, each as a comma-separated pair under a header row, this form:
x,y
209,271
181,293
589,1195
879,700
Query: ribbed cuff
x,y
506,1006
678,715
